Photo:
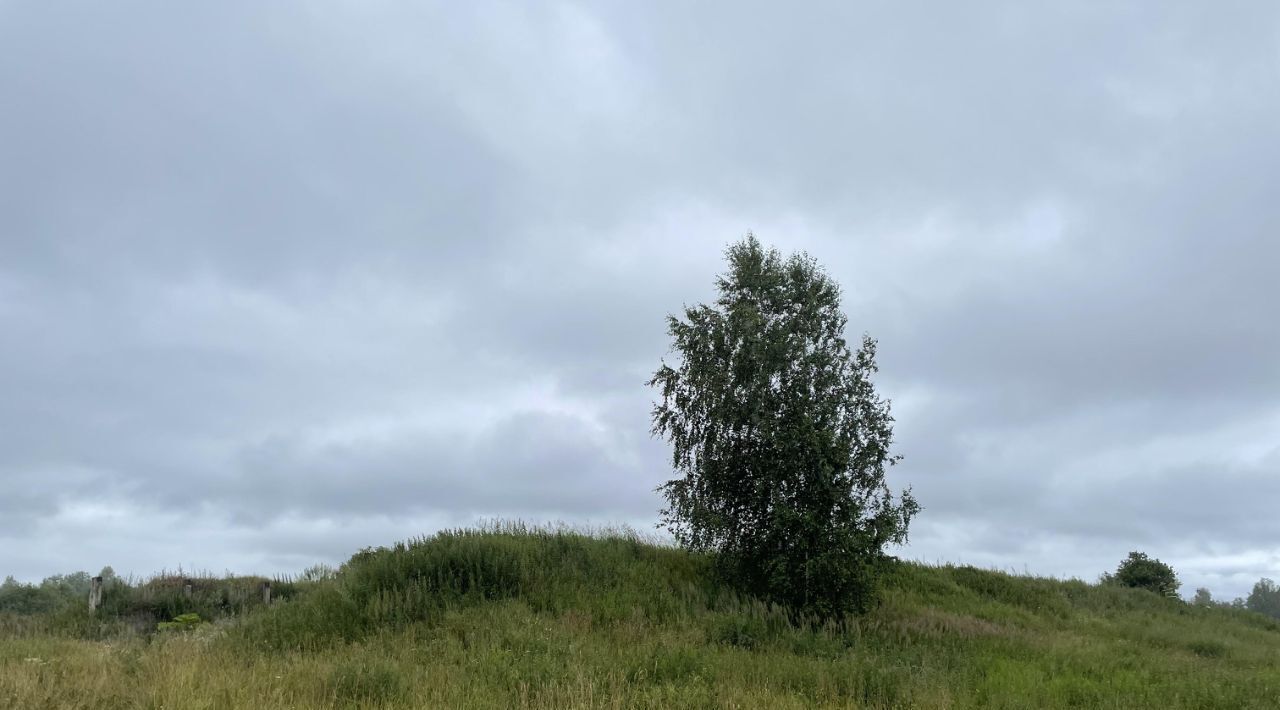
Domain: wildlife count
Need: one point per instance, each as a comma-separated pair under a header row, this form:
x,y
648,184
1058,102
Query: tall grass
x,y
521,616
608,575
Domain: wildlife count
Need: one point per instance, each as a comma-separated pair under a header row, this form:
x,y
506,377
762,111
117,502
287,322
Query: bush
x,y
1142,572
181,622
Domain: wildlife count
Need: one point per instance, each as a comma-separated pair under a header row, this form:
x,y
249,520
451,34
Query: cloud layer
x,y
279,282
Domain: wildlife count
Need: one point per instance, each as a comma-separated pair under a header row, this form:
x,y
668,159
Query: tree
x,y
69,586
1265,598
779,438
1144,572
1202,597
26,598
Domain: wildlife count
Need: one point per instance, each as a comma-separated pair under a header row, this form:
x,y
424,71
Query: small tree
x,y
1265,598
780,438
1144,572
1202,597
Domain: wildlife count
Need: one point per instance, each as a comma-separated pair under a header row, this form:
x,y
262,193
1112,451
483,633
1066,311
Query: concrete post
x,y
95,593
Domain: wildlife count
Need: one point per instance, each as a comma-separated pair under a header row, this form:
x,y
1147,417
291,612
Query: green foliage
x,y
324,616
1142,572
1202,597
160,603
181,622
19,598
67,586
1264,598
53,593
169,595
780,438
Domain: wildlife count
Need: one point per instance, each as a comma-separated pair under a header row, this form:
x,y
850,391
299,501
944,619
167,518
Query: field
x,y
522,617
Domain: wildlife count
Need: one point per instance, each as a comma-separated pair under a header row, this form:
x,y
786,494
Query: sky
x,y
279,281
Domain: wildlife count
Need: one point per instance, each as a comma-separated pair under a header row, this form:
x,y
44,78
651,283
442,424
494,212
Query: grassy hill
x,y
516,617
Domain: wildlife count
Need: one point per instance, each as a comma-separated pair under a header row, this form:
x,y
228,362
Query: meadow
x,y
516,616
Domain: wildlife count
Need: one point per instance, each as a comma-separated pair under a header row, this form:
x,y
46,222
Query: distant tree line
x,y
50,594
1264,599
1143,572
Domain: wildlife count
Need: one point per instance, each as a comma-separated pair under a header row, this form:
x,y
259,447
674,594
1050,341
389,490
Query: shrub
x,y
1143,572
181,622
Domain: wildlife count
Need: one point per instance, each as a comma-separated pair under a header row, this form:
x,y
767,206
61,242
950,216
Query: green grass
x,y
525,617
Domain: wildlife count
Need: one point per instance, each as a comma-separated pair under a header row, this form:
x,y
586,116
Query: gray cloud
x,y
276,283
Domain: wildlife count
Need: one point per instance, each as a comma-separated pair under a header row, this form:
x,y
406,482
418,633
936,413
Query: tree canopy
x,y
779,438
1264,598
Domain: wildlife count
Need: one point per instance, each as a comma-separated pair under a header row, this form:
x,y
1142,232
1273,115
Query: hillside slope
x,y
516,617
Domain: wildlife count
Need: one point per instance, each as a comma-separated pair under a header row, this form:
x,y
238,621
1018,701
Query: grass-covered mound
x,y
607,577
518,617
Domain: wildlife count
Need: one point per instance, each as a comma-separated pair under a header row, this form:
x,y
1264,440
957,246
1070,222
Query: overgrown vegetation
x,y
50,594
59,604
513,616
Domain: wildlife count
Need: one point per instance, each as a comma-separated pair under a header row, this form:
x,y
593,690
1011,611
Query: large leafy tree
x,y
779,438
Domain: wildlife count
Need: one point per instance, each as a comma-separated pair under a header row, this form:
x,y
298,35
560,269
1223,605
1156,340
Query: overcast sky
x,y
282,280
